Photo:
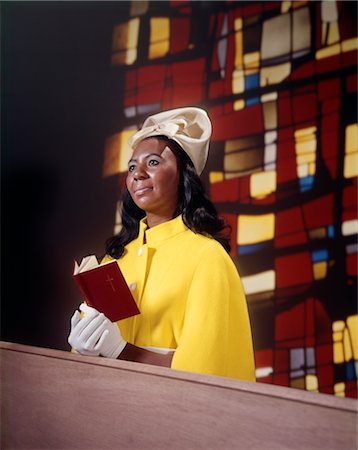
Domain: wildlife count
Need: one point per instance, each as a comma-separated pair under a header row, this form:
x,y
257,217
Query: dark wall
x,y
56,96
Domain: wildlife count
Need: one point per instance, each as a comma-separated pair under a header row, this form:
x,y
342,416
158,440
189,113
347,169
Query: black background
x,y
58,103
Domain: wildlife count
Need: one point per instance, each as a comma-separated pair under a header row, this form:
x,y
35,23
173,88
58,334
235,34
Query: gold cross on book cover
x,y
105,288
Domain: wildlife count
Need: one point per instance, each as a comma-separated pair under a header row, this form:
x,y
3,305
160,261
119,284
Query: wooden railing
x,y
58,400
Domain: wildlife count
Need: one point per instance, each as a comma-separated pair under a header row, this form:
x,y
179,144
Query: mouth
x,y
141,191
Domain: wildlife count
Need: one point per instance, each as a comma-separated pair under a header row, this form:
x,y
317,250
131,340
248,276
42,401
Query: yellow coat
x,y
191,299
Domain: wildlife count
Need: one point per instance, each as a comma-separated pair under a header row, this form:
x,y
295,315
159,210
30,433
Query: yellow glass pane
x,y
348,354
238,48
262,184
124,42
270,115
317,233
333,33
302,133
276,37
338,355
298,383
350,44
311,383
338,336
350,227
324,33
299,4
270,96
339,389
352,324
320,270
250,71
306,146
238,104
328,51
139,7
238,24
301,32
311,168
253,229
352,138
117,153
251,60
260,282
306,158
274,74
158,49
119,58
338,325
302,170
350,165
215,177
238,81
159,37
159,29
329,11
285,6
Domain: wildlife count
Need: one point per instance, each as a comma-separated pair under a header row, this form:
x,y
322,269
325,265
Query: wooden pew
x,y
57,400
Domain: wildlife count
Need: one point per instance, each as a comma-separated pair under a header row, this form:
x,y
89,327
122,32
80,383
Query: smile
x,y
142,191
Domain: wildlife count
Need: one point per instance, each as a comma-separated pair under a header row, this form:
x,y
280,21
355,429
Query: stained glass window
x,y
279,81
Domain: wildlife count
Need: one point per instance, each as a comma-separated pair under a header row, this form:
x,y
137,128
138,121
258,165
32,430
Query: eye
x,y
153,162
131,167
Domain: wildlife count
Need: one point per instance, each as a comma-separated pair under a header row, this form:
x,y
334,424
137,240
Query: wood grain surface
x,y
57,400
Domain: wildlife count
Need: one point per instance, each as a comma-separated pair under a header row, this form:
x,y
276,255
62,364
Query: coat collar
x,y
162,232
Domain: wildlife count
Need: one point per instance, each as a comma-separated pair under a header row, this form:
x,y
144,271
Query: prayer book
x,y
105,288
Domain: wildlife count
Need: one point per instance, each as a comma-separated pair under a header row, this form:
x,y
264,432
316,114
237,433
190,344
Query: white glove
x,y
94,334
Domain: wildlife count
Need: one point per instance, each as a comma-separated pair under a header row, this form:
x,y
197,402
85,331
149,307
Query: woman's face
x,y
153,180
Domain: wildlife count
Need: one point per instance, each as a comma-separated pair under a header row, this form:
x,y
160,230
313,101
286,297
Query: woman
x,y
172,250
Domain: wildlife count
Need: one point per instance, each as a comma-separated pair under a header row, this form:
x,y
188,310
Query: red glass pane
x,y
284,109
264,358
351,264
325,207
179,35
225,191
352,83
281,360
286,160
289,221
328,64
330,106
325,378
291,239
292,270
350,59
239,123
304,71
328,89
216,89
304,107
281,379
324,354
289,325
323,325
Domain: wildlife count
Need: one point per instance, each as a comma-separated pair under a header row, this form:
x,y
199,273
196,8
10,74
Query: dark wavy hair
x,y
198,212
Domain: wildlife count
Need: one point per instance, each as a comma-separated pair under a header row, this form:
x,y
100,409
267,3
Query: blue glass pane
x,y
330,231
252,101
319,255
252,81
306,183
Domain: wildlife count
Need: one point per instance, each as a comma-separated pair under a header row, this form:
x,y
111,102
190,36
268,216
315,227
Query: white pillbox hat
x,y
190,127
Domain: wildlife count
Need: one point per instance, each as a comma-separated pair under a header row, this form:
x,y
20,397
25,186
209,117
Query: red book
x,y
105,288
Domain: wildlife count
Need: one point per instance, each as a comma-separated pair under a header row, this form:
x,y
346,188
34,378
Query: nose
x,y
140,173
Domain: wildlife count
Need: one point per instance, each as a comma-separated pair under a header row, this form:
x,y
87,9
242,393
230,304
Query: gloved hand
x,y
94,334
